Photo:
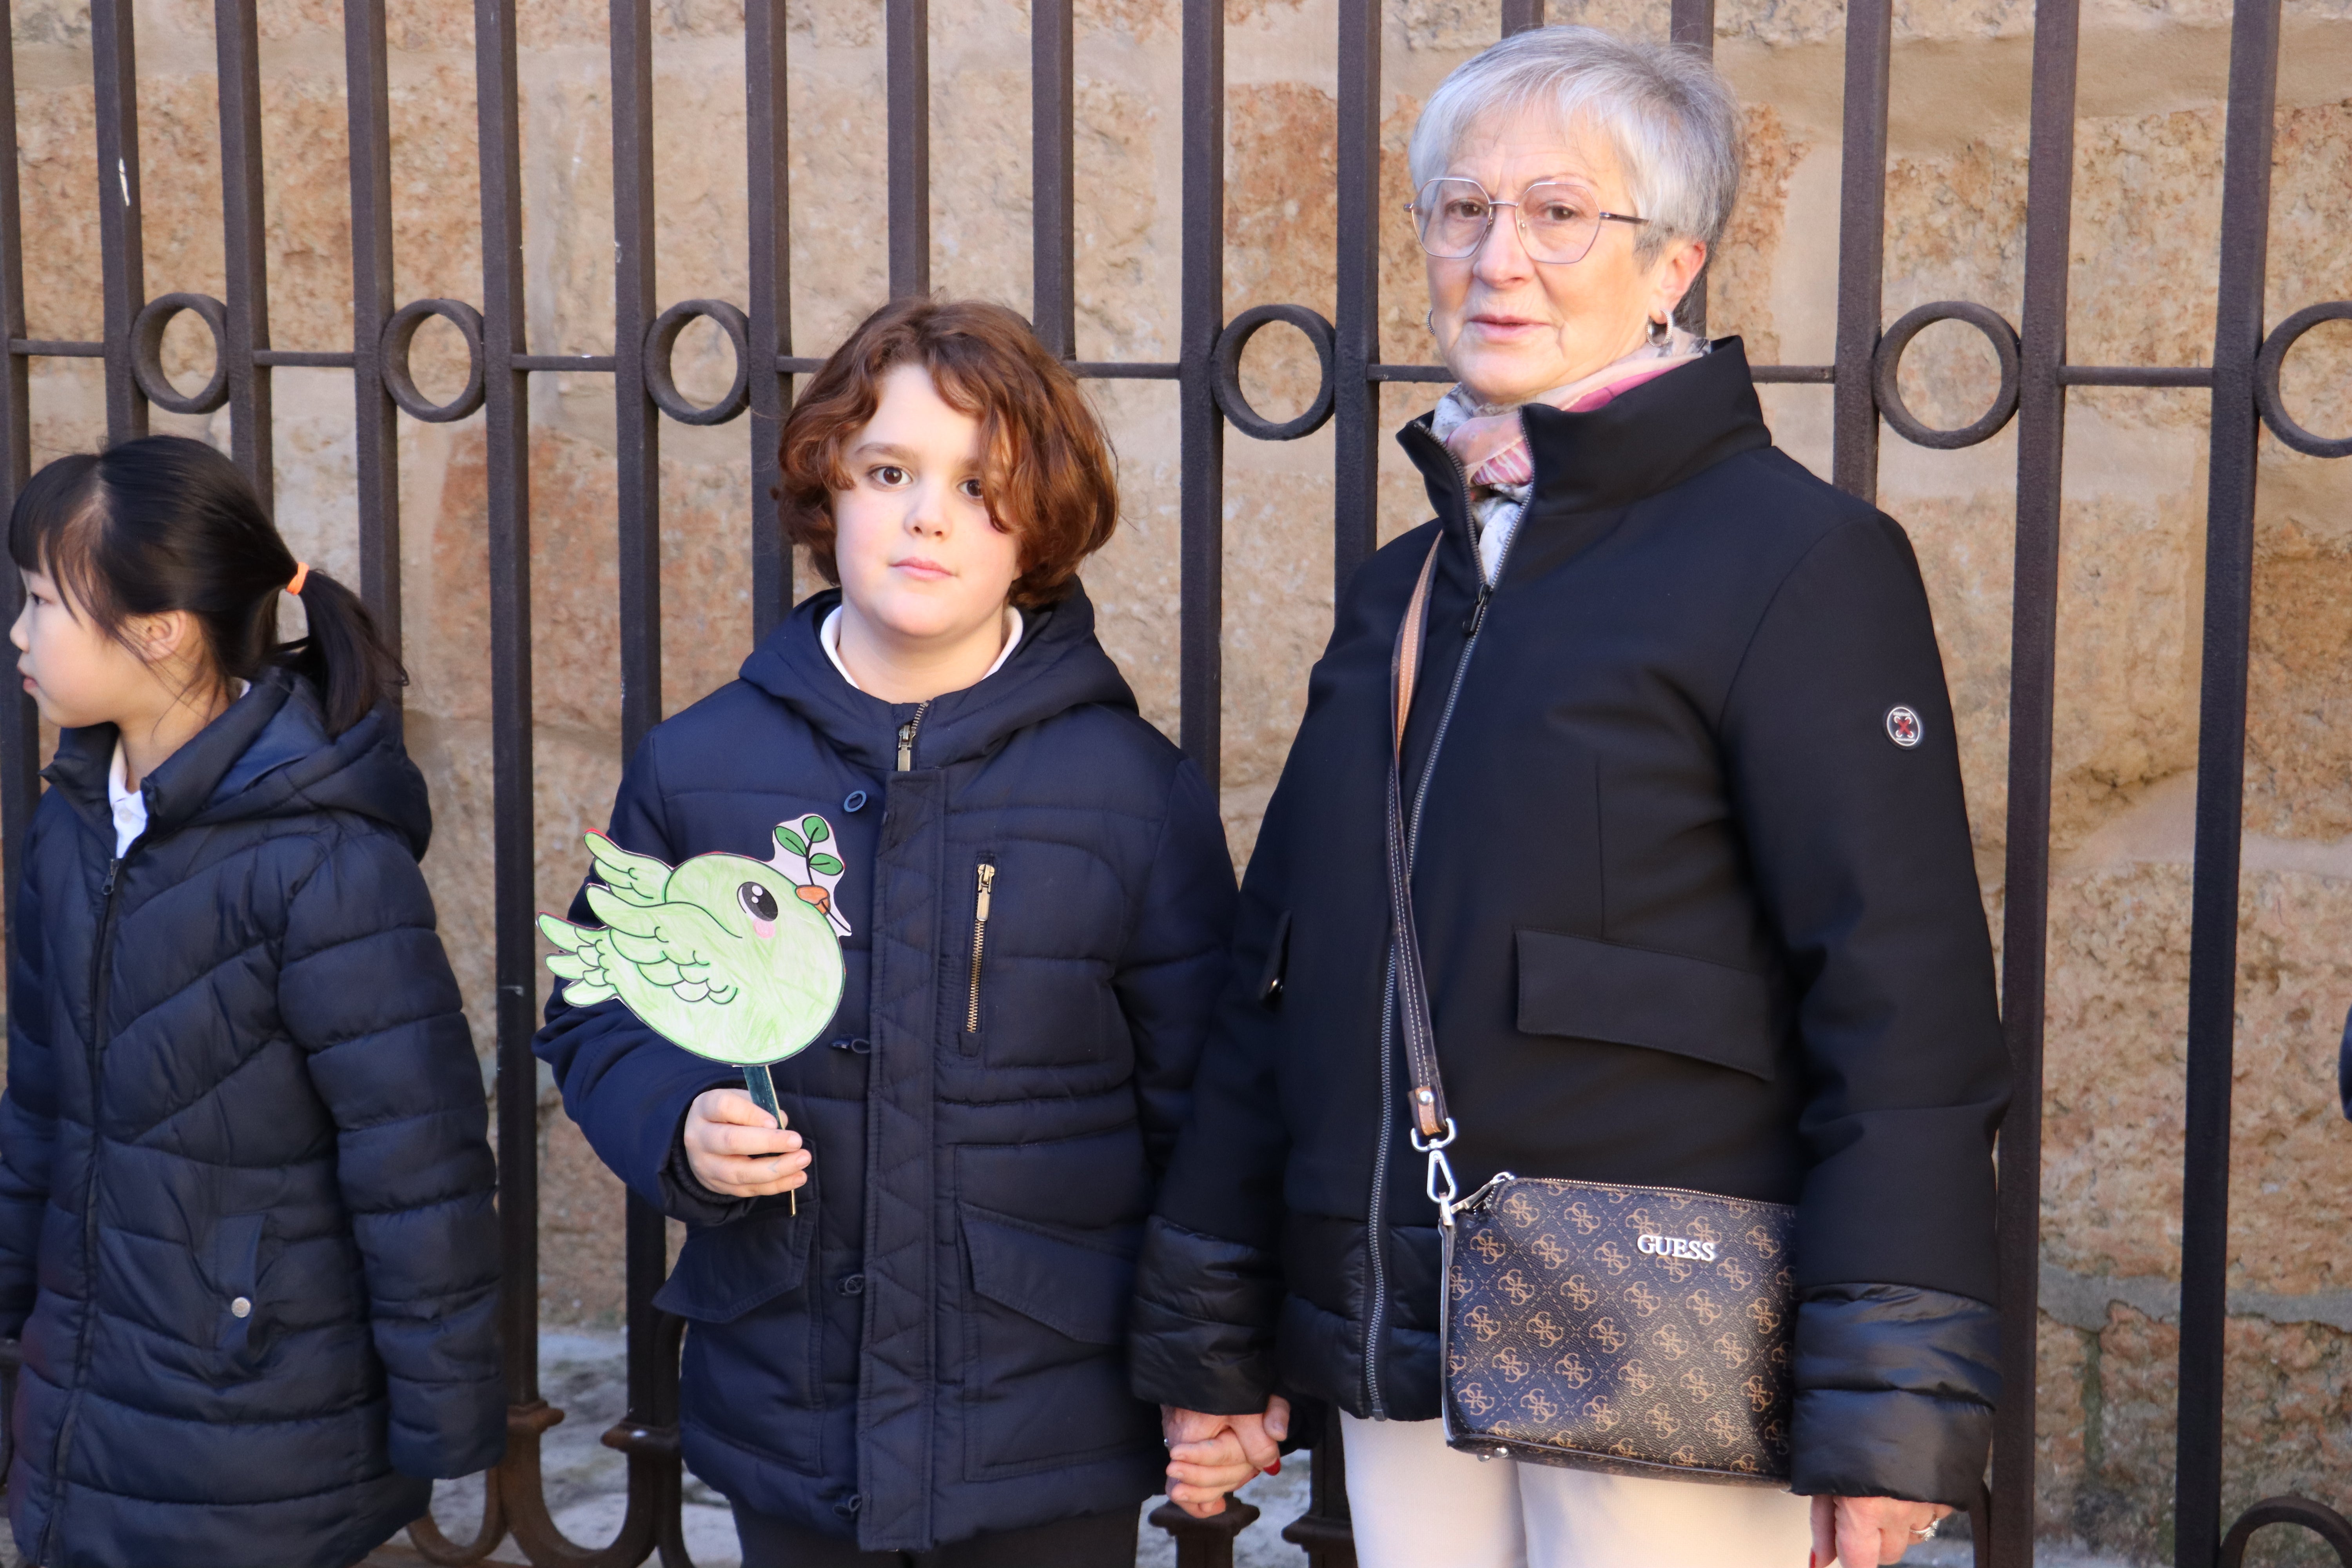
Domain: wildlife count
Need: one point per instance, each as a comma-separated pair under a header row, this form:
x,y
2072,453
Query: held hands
x,y
1864,1531
736,1148
1209,1455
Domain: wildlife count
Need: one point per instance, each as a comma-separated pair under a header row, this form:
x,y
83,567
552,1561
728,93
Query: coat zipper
x,y
100,972
906,738
986,882
1379,1316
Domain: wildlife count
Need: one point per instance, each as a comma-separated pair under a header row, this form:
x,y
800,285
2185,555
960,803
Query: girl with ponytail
x,y
246,1237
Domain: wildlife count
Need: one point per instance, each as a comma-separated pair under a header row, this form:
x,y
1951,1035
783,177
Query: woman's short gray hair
x,y
1672,117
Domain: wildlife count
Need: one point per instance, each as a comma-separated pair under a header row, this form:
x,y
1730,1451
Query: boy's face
x,y
920,562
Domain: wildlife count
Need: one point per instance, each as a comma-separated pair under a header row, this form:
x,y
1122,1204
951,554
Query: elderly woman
x,y
1690,867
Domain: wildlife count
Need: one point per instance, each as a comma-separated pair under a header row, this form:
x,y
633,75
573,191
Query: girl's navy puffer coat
x,y
245,1227
932,1346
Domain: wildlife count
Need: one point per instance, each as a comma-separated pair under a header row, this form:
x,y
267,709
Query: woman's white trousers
x,y
1419,1504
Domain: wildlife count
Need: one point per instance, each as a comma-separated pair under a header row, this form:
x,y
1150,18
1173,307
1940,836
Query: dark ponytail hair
x,y
165,523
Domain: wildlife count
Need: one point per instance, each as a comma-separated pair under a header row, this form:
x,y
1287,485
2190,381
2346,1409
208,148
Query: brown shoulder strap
x,y
1412,986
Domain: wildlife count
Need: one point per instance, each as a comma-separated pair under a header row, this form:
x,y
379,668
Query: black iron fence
x,y
2242,379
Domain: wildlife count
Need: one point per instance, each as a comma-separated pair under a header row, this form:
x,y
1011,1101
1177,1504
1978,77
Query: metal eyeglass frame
x,y
1421,233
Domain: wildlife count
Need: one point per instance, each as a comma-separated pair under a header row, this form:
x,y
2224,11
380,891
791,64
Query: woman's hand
x,y
1209,1455
736,1148
1864,1531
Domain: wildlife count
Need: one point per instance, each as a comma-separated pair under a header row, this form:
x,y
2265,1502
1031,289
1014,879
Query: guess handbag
x,y
1637,1331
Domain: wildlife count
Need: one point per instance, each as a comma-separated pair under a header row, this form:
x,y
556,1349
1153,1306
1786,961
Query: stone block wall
x,y
2147,217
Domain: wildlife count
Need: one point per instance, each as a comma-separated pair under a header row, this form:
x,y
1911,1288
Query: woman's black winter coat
x,y
933,1345
247,1234
1690,917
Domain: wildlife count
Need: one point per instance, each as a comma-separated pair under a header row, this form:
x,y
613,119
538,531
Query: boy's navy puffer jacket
x,y
932,1346
246,1226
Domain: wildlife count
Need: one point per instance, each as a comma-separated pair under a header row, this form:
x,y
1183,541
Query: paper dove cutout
x,y
728,957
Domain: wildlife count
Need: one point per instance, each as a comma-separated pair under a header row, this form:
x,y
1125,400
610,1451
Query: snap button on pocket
x,y
854,1286
241,1308
856,800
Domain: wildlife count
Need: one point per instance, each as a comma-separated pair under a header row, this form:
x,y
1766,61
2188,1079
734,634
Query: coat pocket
x,y
1046,1376
726,1270
1591,990
233,1264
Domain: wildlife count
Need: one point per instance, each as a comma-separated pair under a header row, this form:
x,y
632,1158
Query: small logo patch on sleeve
x,y
1902,727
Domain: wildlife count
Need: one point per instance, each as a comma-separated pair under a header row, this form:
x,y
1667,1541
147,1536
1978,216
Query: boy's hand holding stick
x,y
740,1151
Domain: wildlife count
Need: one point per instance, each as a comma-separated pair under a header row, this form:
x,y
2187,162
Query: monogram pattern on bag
x,y
1641,1330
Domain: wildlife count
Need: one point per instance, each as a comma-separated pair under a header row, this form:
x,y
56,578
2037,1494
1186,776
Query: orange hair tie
x,y
301,575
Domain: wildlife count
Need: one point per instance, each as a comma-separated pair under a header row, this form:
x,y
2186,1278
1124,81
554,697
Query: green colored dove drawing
x,y
731,958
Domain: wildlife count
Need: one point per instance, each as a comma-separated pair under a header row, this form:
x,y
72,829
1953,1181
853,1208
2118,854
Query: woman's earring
x,y
1659,332
1429,321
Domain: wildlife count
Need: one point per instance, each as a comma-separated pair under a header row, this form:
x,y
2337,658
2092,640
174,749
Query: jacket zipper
x,y
1380,1308
986,884
100,972
906,738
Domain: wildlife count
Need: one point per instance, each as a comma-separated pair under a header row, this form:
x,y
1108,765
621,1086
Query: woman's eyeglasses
x,y
1558,223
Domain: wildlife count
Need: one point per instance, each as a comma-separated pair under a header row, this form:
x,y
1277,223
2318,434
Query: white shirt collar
x,y
130,805
828,636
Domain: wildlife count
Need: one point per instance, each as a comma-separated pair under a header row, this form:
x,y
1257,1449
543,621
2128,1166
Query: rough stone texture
x,y
2142,260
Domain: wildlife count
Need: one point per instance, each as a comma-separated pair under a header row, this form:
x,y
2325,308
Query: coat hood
x,y
1647,439
268,756
1058,665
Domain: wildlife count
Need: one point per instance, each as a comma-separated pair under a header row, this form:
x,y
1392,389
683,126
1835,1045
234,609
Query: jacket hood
x,y
1058,665
1644,441
268,756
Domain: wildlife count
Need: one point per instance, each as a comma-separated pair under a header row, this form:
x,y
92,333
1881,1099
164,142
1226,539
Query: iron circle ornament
x,y
2315,1516
2267,365
661,338
400,332
1888,358
147,352
1226,365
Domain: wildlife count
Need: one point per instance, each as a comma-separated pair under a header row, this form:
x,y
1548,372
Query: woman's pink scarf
x,y
1492,444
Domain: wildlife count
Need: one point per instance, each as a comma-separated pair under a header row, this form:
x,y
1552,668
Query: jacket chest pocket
x,y
1032,951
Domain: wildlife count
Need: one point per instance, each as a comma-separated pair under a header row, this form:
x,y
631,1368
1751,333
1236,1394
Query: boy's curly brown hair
x,y
1047,472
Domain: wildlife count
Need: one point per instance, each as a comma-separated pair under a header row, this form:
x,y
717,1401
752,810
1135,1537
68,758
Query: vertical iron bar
x,y
907,53
1356,398
2033,661
1052,138
636,434
1861,245
20,733
507,427
1522,16
122,263
237,42
368,106
1201,429
771,302
2221,776
1693,27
